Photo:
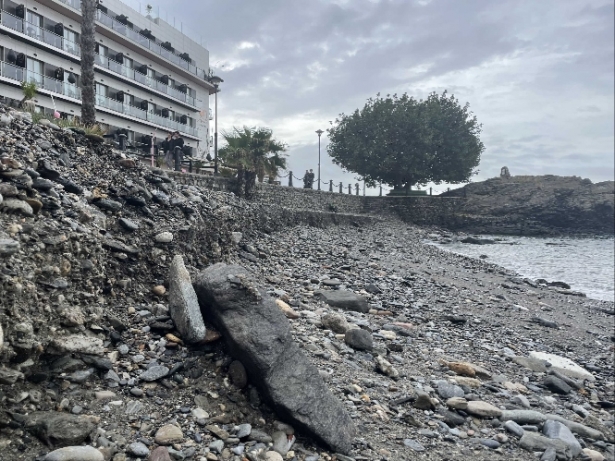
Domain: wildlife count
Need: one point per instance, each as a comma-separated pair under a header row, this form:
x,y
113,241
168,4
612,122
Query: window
x,y
70,36
34,19
35,71
102,90
128,62
34,25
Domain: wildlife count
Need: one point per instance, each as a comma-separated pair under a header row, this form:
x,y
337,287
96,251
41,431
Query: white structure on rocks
x,y
151,79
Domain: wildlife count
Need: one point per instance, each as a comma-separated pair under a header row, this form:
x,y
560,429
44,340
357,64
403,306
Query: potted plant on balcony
x,y
122,18
29,91
185,57
148,34
167,46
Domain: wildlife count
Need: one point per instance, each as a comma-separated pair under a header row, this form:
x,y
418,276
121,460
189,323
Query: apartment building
x,y
150,78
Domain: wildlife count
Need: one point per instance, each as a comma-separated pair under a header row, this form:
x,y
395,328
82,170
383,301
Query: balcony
x,y
39,34
142,40
20,74
132,74
132,111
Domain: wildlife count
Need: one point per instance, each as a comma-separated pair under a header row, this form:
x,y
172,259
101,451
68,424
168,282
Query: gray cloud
x,y
538,75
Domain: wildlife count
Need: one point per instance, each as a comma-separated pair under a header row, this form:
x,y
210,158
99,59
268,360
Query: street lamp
x,y
319,133
215,81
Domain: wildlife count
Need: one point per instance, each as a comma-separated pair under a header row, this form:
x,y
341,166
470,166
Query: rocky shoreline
x,y
429,355
536,206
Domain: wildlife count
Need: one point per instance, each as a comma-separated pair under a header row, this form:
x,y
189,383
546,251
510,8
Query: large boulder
x,y
345,300
183,303
258,334
58,429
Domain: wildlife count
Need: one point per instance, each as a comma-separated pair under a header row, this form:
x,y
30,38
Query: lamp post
x,y
319,133
215,81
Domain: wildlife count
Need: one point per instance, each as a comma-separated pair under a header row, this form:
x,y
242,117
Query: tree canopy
x,y
401,141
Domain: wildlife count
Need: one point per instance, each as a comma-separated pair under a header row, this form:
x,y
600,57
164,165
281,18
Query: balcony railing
x,y
137,76
141,114
20,74
57,41
142,40
40,34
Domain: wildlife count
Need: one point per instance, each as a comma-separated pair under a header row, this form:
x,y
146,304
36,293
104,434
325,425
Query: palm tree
x,y
254,153
88,48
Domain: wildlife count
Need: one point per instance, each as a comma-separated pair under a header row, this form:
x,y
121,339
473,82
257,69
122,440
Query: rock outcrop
x,y
535,205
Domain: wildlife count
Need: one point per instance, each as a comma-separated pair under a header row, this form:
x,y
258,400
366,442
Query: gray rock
x,y
75,454
259,334
108,205
335,322
238,374
514,428
530,363
128,224
14,205
414,445
532,441
359,339
8,247
183,303
243,430
154,373
557,385
535,417
7,375
138,449
549,455
448,390
216,446
556,430
76,344
59,429
345,300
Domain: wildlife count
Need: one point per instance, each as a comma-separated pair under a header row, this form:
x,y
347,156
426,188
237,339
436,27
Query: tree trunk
x,y
240,182
250,183
88,48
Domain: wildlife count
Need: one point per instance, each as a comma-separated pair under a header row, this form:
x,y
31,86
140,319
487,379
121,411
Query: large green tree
x,y
254,153
401,141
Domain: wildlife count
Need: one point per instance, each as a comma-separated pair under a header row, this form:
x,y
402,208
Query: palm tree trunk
x,y
88,48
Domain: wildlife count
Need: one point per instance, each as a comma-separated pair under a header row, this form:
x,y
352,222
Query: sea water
x,y
586,264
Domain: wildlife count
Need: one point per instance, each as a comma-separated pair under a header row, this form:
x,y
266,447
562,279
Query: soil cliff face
x,y
537,205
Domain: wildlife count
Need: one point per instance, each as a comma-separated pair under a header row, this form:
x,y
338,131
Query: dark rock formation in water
x,y
536,205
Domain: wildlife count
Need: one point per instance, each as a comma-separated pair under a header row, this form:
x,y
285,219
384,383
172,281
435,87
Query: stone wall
x,y
294,197
208,181
423,210
426,210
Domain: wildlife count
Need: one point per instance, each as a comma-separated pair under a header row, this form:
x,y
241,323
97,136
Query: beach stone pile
x,y
143,319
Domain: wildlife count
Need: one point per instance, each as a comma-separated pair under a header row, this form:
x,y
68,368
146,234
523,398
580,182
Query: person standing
x,y
166,150
306,179
177,144
312,176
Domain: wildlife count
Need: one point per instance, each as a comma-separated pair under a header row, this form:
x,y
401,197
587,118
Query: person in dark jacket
x,y
166,149
177,146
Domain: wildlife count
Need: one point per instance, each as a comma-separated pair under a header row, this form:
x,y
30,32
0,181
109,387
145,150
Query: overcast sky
x,y
538,74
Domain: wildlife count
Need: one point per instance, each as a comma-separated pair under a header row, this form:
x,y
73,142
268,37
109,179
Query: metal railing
x,y
145,42
39,33
57,41
21,74
133,111
137,76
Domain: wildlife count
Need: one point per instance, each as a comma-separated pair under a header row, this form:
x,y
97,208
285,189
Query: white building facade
x,y
150,78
